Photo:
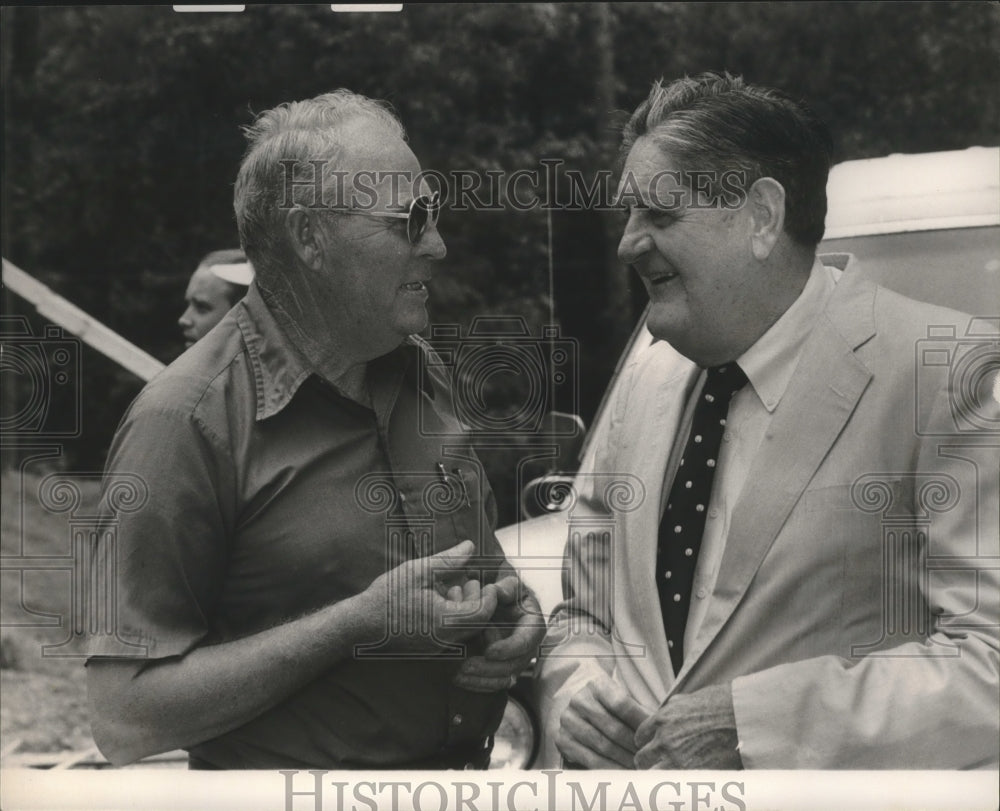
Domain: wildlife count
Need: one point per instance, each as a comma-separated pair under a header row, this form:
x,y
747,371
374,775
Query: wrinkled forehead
x,y
649,172
375,158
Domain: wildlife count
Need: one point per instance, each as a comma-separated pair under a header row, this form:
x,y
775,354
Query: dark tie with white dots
x,y
683,521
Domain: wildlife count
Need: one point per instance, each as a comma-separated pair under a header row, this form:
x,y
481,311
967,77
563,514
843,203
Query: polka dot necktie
x,y
683,521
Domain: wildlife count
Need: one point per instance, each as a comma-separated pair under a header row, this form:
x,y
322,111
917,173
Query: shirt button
x,y
456,720
727,436
702,593
713,513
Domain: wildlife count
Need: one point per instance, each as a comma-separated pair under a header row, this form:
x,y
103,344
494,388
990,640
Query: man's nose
x,y
184,321
634,243
431,244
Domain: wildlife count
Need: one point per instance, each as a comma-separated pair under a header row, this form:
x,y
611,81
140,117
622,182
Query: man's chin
x,y
414,322
665,324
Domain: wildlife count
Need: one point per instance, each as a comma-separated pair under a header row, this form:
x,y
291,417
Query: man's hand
x,y
512,641
140,707
427,603
694,731
598,728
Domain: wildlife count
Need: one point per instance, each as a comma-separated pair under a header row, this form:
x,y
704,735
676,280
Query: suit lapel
x,y
654,470
646,454
820,398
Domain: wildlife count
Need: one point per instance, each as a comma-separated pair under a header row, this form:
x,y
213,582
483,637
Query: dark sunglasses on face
x,y
422,212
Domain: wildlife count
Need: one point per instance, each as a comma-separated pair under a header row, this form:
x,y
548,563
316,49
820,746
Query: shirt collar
x,y
279,369
770,362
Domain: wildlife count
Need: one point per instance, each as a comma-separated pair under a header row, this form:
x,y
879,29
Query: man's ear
x,y
766,204
303,236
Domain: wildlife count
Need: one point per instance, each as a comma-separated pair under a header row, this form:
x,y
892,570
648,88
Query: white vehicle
x,y
926,225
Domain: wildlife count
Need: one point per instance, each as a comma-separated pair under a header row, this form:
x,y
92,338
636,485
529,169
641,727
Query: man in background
x,y
220,280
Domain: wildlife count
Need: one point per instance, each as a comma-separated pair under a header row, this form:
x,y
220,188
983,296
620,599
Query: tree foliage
x,y
122,132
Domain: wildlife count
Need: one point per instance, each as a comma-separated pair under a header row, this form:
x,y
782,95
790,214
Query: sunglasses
x,y
422,212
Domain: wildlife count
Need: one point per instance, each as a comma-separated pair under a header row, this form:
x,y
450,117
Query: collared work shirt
x,y
272,495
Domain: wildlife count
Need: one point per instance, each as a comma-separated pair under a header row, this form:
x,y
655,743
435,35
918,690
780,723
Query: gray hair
x,y
292,134
721,124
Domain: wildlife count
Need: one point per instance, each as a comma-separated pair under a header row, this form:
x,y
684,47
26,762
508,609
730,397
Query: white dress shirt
x,y
768,365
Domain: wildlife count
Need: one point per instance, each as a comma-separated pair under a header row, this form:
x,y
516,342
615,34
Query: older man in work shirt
x,y
314,582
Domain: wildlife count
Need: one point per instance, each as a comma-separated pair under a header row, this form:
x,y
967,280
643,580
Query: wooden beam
x,y
88,329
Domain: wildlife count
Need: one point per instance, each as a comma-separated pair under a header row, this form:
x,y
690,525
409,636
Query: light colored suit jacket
x,y
856,608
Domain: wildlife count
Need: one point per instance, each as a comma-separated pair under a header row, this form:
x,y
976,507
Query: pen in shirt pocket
x,y
456,474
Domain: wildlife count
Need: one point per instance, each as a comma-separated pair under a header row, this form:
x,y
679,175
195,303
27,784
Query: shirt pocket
x,y
446,507
475,519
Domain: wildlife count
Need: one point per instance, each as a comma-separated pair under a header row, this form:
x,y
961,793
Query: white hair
x,y
292,134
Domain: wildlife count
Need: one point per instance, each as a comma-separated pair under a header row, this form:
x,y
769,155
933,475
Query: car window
x,y
640,339
958,268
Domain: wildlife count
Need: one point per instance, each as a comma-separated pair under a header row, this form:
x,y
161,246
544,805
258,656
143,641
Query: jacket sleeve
x,y
577,647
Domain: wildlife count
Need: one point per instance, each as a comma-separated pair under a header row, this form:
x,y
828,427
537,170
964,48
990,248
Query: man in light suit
x,y
843,611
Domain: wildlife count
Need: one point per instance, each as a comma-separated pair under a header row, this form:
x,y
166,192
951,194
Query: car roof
x,y
928,191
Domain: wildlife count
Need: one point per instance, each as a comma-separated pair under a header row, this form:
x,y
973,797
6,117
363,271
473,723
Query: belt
x,y
474,756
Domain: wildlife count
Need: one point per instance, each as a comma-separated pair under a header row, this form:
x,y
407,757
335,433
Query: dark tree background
x,y
122,136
